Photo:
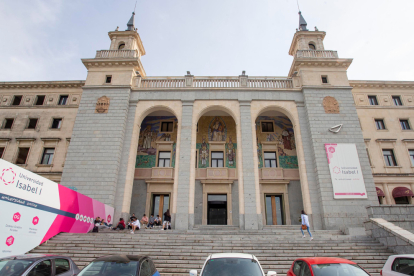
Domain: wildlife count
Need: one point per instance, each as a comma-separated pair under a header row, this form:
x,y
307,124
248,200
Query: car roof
x,y
232,255
326,260
403,256
120,258
31,257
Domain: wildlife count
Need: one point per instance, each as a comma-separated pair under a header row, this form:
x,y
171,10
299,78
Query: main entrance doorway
x,y
160,204
217,209
274,210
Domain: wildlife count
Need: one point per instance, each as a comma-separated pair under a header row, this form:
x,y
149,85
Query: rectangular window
x,y
389,157
47,156
1,152
8,123
32,123
63,100
164,159
17,100
57,123
324,79
397,100
62,266
108,79
411,153
270,160
22,156
379,124
167,126
40,100
217,159
267,127
405,125
373,100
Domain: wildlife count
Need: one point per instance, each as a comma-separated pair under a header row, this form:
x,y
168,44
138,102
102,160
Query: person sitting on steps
x,y
144,221
167,220
135,225
120,225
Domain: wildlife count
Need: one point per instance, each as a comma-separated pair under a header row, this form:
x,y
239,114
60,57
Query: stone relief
x,y
330,104
102,105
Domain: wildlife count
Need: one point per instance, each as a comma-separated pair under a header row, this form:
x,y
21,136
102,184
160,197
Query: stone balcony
x,y
154,173
278,174
316,54
117,54
216,173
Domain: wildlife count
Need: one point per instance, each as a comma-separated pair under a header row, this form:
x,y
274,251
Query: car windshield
x,y
338,270
110,268
232,266
10,267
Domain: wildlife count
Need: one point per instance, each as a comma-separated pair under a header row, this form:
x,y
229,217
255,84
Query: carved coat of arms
x,y
102,105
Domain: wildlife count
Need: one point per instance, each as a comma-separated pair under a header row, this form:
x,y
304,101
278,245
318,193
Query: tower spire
x,y
302,23
130,25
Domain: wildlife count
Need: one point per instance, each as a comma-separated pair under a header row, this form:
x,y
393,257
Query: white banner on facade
x,y
345,169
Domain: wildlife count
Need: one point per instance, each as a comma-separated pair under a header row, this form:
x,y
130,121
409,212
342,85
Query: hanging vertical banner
x,y
33,209
345,169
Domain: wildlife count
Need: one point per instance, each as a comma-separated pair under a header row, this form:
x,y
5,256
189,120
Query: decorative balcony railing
x,y
215,82
316,54
117,54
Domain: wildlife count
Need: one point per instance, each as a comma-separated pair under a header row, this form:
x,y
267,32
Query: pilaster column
x,y
182,218
252,217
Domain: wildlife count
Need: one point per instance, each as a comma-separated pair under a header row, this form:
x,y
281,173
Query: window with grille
x,y
267,127
379,123
270,160
397,100
164,158
405,125
63,100
47,156
389,157
217,159
167,126
372,100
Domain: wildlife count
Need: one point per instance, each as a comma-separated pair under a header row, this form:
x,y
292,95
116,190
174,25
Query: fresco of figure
x,y
292,139
286,139
217,130
147,138
231,153
204,153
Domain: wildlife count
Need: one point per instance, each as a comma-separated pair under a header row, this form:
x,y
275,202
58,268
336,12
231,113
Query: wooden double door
x,y
160,204
274,210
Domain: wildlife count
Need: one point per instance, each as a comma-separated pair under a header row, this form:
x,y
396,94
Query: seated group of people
x,y
101,223
135,224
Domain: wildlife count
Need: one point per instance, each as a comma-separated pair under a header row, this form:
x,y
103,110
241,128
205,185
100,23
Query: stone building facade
x,y
241,151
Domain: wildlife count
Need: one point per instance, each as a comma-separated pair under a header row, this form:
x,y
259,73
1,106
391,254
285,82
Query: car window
x,y
338,270
231,266
403,265
296,267
145,269
61,266
13,267
43,268
305,270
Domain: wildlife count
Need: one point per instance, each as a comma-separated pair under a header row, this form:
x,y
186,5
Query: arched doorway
x,y
279,178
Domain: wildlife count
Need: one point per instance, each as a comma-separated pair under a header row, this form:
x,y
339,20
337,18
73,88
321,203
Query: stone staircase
x,y
176,252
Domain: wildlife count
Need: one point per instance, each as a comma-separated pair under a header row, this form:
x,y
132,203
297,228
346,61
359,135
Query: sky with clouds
x,y
45,39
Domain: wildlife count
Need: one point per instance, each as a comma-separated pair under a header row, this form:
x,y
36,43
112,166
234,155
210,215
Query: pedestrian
x,y
305,224
167,220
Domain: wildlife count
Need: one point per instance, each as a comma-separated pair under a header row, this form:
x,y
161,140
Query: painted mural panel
x,y
154,129
277,129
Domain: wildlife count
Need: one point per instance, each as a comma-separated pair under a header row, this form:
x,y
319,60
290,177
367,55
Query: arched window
x,y
121,46
312,46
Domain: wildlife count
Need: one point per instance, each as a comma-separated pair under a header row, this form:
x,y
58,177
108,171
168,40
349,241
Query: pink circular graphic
x,y
336,170
35,220
10,240
331,149
109,219
8,176
16,217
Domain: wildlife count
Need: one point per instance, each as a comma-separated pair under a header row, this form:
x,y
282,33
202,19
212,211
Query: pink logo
x,y
331,149
35,220
8,176
16,217
336,170
108,219
10,240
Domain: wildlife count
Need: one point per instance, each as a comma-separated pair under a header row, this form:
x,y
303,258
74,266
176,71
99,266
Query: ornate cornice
x,y
382,84
41,84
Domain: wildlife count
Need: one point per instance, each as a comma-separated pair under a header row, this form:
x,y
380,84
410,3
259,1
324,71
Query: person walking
x,y
305,224
167,220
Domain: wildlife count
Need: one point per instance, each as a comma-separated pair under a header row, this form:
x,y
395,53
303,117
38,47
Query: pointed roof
x,y
130,25
302,23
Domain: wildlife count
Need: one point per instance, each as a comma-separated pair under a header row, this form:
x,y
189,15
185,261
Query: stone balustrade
x,y
117,54
316,54
215,82
278,174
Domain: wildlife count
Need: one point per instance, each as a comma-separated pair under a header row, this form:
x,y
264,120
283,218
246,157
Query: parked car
x,y
397,265
37,264
120,265
228,264
325,267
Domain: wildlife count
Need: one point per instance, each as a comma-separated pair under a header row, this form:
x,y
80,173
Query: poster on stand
x,y
35,209
347,179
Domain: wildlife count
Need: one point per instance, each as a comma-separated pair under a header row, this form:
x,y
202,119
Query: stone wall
x,y
139,198
295,202
400,215
394,237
